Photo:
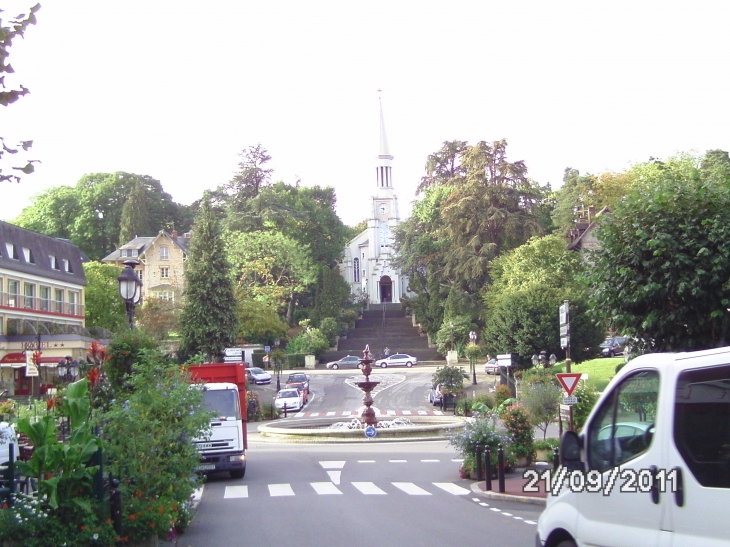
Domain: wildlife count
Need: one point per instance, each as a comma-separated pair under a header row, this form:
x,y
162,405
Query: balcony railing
x,y
42,305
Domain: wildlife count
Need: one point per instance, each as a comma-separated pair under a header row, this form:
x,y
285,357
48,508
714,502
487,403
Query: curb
x,y
507,497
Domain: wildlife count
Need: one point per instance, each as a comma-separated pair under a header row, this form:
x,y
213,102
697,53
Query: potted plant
x,y
544,450
517,423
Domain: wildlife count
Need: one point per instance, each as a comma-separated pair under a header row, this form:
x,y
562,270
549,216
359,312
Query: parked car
x,y
491,367
256,375
613,346
298,380
397,360
291,398
350,361
434,395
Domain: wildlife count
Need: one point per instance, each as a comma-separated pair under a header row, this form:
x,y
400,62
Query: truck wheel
x,y
238,473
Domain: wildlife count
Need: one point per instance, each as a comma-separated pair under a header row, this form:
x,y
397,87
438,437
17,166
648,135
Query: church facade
x,y
367,260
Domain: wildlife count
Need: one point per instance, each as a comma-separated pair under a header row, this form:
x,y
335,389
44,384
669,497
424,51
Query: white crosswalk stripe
x,y
369,489
411,489
236,492
325,488
280,490
452,488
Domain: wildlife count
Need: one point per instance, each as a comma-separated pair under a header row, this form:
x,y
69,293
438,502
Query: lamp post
x,y
130,288
67,370
277,365
473,358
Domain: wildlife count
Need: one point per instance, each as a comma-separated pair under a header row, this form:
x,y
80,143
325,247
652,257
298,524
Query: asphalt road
x,y
390,494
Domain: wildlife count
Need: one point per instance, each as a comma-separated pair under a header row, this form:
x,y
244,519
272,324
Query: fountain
x,y
368,414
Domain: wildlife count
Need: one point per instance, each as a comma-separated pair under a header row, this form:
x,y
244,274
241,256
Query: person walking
x,y
386,352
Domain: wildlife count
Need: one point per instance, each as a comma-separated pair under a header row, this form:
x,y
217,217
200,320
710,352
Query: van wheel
x,y
610,353
567,543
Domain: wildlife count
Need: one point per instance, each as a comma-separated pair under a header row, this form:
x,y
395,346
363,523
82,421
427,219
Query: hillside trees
x,y
662,273
103,308
208,323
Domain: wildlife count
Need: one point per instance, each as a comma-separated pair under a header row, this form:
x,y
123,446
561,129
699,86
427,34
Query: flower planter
x,y
544,455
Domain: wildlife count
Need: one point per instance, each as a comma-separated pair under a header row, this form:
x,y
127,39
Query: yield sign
x,y
569,381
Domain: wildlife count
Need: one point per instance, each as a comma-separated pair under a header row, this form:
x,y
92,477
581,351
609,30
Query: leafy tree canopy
x,y
662,273
104,308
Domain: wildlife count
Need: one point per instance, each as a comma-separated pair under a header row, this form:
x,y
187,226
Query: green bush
x,y
451,379
123,351
517,422
310,341
501,395
257,358
294,360
587,397
483,398
330,329
349,317
482,430
620,366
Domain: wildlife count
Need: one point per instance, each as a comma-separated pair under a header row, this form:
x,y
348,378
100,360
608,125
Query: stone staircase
x,y
384,325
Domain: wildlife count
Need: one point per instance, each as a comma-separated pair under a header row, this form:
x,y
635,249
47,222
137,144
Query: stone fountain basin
x,y
315,429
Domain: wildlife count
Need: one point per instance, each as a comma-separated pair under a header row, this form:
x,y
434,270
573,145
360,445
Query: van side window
x,y
702,424
623,427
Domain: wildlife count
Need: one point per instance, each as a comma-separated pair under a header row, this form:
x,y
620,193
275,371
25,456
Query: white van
x,y
651,466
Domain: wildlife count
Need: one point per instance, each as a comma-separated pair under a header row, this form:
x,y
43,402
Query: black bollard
x,y
556,458
115,502
500,468
488,464
285,407
479,461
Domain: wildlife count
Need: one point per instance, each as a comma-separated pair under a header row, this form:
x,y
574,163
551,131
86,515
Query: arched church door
x,y
386,289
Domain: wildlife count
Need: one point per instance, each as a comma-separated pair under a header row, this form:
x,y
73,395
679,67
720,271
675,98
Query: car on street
x,y
397,360
291,398
434,395
614,345
351,361
298,380
491,367
256,375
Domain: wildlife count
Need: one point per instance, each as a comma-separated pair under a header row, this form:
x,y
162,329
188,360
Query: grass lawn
x,y
599,371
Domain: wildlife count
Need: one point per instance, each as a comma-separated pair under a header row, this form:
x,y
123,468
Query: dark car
x,y
350,361
613,346
298,380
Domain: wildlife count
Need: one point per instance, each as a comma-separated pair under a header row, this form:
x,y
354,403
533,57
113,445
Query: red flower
x,y
132,517
93,376
50,403
83,527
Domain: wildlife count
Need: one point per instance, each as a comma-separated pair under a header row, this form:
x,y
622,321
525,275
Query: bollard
x,y
556,458
479,461
272,411
285,408
488,463
500,468
115,502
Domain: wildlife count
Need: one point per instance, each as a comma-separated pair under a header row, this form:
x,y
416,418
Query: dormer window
x,y
133,252
28,254
123,253
54,262
67,266
12,253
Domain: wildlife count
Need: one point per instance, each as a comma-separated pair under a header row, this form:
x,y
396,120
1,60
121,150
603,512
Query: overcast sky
x,y
175,91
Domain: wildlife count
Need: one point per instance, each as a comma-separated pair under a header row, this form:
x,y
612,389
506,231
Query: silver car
x,y
350,361
397,360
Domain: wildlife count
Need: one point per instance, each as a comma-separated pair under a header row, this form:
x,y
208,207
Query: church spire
x,y
383,171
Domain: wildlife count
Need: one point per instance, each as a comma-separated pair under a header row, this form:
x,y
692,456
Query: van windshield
x,y
223,403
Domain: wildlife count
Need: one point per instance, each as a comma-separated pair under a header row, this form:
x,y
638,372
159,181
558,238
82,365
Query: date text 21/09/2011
x,y
627,480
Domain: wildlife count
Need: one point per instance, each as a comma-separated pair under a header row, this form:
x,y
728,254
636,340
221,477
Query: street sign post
x,y
569,381
570,400
371,432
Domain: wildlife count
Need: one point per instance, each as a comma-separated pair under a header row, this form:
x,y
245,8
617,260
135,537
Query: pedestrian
x,y
386,352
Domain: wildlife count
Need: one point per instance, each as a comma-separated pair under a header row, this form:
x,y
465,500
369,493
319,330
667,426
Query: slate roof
x,y
142,243
41,248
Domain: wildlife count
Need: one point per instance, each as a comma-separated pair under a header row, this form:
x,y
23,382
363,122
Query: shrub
x,y
124,350
451,379
483,399
517,423
482,430
587,397
294,360
349,317
501,395
619,367
542,400
330,329
310,341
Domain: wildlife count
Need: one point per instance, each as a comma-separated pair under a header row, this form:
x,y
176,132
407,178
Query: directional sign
x,y
565,412
564,341
371,432
564,314
504,360
569,381
267,349
234,352
564,330
570,400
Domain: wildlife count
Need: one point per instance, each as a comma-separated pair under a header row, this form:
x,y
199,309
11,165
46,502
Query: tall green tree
x,y
661,275
103,308
15,28
208,323
52,212
246,184
332,296
135,216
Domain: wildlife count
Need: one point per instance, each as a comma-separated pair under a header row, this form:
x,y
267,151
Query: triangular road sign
x,y
569,381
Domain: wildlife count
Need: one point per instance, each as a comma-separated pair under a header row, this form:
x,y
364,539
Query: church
x,y
367,259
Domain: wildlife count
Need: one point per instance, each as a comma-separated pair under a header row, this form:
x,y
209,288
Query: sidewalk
x,y
514,487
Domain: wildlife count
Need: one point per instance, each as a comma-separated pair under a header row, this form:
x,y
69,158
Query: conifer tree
x,y
208,323
135,219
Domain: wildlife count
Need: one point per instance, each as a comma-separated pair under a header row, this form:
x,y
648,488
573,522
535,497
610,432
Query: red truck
x,y
225,394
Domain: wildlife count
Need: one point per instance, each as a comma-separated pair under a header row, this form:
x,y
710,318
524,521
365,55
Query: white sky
x,y
176,91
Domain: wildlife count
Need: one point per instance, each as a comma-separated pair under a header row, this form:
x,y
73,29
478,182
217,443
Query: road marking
x,y
365,461
280,490
407,413
197,496
369,489
483,504
398,461
452,488
458,460
314,414
495,509
325,488
517,518
530,522
335,476
506,514
438,413
330,413
347,413
236,492
422,412
411,489
391,413
430,461
332,464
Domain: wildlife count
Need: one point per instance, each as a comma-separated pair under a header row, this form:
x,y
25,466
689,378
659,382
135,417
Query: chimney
x,y
174,235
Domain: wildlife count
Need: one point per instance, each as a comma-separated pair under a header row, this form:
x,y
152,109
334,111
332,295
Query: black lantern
x,y
130,288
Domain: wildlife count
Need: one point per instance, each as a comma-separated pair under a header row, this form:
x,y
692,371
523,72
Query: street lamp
x,y
277,365
68,369
473,358
535,360
130,288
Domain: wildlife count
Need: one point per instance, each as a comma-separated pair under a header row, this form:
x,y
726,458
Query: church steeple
x,y
383,171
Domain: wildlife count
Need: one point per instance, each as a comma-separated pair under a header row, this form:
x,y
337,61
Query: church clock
x,y
382,209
